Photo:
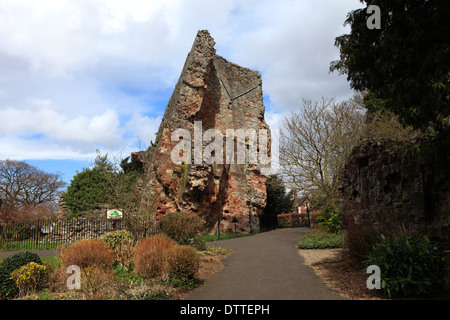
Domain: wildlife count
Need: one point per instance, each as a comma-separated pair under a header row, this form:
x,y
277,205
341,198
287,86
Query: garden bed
x,y
350,281
128,286
120,282
335,273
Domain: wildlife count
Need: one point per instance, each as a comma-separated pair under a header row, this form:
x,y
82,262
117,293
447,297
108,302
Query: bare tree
x,y
122,185
24,185
315,143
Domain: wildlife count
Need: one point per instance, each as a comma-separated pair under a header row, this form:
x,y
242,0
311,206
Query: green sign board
x,y
114,214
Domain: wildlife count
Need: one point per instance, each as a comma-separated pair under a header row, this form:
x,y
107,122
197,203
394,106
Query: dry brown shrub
x,y
86,253
181,262
97,284
58,280
359,242
148,255
13,214
124,253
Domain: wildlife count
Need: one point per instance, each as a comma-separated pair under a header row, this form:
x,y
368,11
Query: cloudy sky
x,y
77,75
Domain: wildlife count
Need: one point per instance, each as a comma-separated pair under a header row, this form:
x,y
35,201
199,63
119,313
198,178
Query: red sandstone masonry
x,y
386,183
223,96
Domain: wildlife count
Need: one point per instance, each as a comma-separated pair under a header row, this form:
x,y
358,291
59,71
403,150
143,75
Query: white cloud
x,y
43,34
78,74
143,128
294,51
41,118
22,149
59,38
275,119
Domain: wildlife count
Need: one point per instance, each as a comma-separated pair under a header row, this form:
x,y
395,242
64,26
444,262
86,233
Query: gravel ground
x,y
350,282
329,265
313,256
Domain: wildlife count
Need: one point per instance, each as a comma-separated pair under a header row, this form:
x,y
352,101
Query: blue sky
x,y
77,75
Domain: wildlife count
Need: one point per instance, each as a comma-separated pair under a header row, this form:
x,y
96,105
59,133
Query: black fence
x,y
50,233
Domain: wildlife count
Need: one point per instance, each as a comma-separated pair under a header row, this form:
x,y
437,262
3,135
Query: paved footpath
x,y
41,253
266,266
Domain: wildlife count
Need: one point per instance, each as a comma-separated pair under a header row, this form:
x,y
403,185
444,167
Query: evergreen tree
x,y
405,64
278,199
92,186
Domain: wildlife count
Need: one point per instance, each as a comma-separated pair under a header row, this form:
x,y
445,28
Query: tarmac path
x,y
41,253
266,266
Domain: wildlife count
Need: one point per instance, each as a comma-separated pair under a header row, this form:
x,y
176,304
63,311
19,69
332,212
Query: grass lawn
x,y
320,240
223,236
53,261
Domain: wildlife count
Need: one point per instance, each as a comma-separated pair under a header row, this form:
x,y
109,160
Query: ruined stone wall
x,y
221,95
390,186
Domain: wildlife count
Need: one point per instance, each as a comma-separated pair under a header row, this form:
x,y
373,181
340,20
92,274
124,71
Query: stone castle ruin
x,y
390,186
211,93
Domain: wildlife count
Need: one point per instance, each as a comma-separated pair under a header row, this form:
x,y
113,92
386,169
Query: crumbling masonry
x,y
387,185
221,95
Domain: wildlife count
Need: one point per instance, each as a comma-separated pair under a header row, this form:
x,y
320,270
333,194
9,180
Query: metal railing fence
x,y
49,233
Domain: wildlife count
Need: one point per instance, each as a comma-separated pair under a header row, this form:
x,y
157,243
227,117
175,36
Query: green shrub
x,y
8,288
122,244
30,278
330,221
116,238
127,275
320,240
186,228
409,266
